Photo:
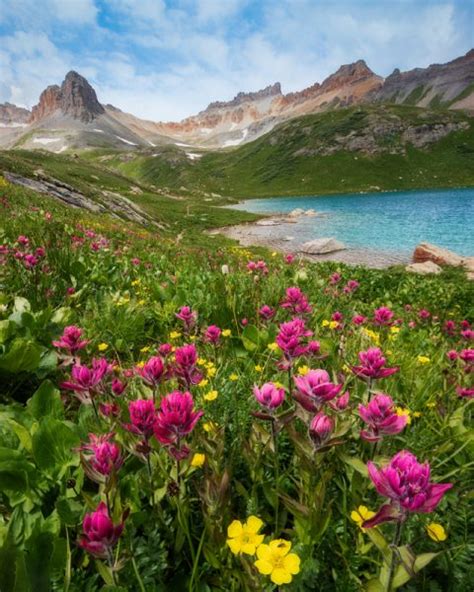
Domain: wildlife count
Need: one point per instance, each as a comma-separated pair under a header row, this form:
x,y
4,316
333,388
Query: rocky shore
x,y
279,233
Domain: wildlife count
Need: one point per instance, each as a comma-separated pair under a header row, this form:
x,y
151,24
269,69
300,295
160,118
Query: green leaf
x,y
250,338
21,305
7,329
401,574
356,463
46,401
53,444
69,511
105,572
22,356
22,433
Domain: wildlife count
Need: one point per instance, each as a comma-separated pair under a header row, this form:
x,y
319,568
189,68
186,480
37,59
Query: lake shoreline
x,y
252,234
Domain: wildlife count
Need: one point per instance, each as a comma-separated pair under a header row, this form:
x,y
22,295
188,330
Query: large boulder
x,y
320,246
424,268
428,252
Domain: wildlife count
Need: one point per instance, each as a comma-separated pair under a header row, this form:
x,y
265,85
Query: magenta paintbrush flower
x,y
71,340
176,419
188,316
383,316
87,381
100,534
314,389
142,417
296,301
185,365
102,457
153,371
290,338
372,365
320,429
266,312
269,395
406,483
381,418
213,334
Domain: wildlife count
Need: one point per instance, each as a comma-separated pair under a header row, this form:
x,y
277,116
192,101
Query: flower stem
x,y
277,475
150,478
394,559
111,563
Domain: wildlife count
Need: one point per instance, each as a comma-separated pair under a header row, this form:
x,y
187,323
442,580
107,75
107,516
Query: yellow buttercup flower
x,y
226,333
201,362
211,371
209,426
258,368
395,330
436,532
140,364
276,561
198,460
211,396
273,346
204,382
423,360
303,370
431,405
325,323
175,335
404,411
234,377
372,334
102,346
145,349
141,302
244,538
333,325
417,414
361,514
136,282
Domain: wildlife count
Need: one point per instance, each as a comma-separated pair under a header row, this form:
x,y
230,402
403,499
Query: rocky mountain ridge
x,y
70,116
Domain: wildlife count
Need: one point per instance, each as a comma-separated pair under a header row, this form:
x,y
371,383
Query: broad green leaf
x,y
22,433
250,338
22,356
401,574
53,444
7,329
355,463
46,401
21,305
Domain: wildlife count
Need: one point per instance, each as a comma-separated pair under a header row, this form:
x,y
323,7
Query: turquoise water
x,y
395,221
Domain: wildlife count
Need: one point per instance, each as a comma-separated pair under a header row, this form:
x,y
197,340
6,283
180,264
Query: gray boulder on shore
x,y
320,246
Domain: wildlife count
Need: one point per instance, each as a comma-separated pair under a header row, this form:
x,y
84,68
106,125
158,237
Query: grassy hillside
x,y
185,214
356,149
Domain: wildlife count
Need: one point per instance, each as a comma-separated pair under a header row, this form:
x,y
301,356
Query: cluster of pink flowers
x,y
101,457
406,483
269,395
383,316
381,418
213,335
86,382
296,302
372,365
100,534
188,317
257,267
185,365
71,340
291,339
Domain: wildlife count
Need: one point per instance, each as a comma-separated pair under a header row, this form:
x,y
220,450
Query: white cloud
x,y
165,61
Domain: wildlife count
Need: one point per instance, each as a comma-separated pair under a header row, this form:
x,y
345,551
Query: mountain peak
x,y
75,97
272,90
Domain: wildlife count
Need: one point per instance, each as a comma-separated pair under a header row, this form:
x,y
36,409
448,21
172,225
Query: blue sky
x,y
166,59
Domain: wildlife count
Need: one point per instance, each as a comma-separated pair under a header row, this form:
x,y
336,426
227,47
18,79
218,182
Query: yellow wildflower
x,y
198,460
273,346
204,382
361,514
141,302
274,560
234,377
140,364
244,538
404,411
423,360
175,335
395,330
102,347
209,427
325,323
226,333
333,325
211,371
431,405
201,362
258,368
278,384
417,414
136,282
372,334
436,532
145,349
303,370
211,396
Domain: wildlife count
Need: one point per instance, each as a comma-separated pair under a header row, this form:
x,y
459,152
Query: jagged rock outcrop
x,y
437,85
75,97
11,114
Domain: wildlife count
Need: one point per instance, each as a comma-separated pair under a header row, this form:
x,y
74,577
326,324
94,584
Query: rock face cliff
x,y
72,117
75,97
440,85
11,114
